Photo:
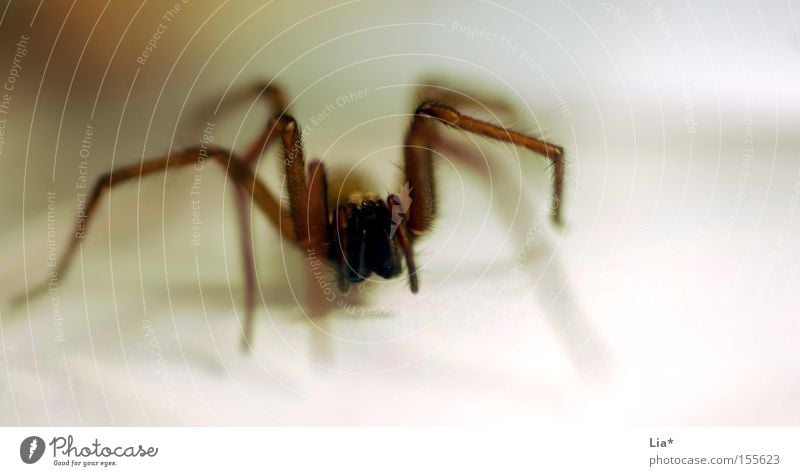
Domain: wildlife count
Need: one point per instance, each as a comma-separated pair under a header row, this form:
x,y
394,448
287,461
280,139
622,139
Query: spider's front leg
x,y
308,201
420,141
308,198
275,128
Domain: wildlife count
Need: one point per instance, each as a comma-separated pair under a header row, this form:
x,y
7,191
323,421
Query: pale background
x,y
669,298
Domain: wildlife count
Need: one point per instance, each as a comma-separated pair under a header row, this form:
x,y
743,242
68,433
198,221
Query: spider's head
x,y
366,242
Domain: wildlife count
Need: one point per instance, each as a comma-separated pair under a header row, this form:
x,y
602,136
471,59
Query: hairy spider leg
x,y
308,205
420,140
239,172
277,106
403,238
235,168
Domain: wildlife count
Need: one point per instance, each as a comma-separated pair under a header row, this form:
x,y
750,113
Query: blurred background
x,y
668,298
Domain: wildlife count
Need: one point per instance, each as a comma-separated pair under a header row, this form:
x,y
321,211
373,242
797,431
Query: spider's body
x,y
363,236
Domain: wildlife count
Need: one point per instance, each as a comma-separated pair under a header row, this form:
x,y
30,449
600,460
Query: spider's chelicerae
x,y
364,235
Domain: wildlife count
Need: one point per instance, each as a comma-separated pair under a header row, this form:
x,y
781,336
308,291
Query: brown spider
x,y
362,236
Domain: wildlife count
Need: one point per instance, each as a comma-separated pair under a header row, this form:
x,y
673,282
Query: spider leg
x,y
319,226
437,89
404,240
308,224
340,219
308,196
308,200
277,105
420,139
237,170
297,187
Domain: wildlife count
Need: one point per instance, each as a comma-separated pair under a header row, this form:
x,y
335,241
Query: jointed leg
x,y
308,206
421,139
237,170
307,221
439,91
307,201
339,225
318,222
419,173
294,170
277,106
404,240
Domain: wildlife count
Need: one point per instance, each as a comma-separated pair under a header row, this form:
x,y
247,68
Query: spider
x,y
361,236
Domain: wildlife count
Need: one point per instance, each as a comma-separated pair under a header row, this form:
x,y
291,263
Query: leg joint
x,y
438,111
104,181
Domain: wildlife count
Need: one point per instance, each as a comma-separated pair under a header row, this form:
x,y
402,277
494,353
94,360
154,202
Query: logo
x,y
31,449
399,205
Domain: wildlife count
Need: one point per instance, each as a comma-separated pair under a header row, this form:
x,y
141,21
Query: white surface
x,y
668,299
